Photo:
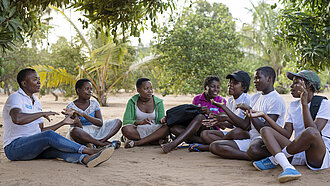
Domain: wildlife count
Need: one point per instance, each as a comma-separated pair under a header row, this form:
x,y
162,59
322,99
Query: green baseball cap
x,y
309,76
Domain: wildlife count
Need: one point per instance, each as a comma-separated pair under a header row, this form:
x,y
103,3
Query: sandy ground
x,y
143,165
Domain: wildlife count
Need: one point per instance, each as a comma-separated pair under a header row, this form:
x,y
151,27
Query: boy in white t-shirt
x,y
311,145
269,101
26,138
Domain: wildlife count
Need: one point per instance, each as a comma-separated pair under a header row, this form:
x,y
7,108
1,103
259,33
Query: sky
x,y
238,9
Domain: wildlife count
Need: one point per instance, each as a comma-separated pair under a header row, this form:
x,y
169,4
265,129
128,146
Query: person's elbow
x,y
17,120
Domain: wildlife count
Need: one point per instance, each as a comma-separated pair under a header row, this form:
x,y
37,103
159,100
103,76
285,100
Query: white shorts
x,y
98,132
300,159
243,144
146,130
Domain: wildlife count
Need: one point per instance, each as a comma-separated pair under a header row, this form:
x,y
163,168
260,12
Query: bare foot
x,y
166,148
163,141
129,144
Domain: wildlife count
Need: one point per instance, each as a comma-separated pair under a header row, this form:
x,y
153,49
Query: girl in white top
x,y
311,145
89,126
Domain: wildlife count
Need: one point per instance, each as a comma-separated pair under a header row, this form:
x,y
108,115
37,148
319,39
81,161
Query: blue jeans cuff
x,y
81,149
81,158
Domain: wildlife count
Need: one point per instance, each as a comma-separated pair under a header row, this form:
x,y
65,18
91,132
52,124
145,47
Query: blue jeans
x,y
45,145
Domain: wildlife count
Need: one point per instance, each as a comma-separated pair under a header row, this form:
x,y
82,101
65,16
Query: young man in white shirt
x,y
269,101
26,138
311,145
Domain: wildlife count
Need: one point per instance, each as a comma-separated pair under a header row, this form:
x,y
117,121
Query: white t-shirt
x,y
295,116
243,98
271,103
22,101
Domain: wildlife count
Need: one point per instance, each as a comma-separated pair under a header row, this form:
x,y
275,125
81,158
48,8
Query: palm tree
x,y
258,38
105,67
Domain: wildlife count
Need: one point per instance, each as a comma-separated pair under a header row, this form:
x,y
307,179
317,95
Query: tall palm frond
x,y
54,77
74,26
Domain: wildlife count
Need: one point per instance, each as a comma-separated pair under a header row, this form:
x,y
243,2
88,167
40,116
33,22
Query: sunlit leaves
x,y
305,25
202,42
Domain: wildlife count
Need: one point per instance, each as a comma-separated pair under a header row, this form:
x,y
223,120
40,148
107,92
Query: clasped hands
x,y
215,119
148,121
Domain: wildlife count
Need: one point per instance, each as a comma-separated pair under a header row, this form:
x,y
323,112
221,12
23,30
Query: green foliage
x,y
305,26
18,17
18,59
201,42
121,15
257,40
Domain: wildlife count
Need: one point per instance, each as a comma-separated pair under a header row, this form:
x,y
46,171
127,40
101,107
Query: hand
x,y
47,114
163,120
71,112
68,121
215,119
76,122
220,117
254,114
205,110
210,122
146,121
301,88
243,106
218,104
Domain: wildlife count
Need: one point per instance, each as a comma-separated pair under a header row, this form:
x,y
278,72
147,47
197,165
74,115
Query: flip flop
x,y
184,145
116,144
129,144
194,147
123,139
100,157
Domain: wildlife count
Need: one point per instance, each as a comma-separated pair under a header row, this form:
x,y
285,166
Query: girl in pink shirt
x,y
190,131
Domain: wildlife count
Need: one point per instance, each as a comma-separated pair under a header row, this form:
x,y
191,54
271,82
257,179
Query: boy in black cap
x,y
238,86
311,145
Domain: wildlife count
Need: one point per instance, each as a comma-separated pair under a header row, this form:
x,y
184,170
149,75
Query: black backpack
x,y
182,114
315,105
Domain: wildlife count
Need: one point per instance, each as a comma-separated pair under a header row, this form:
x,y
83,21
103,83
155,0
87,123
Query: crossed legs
x,y
188,132
130,132
82,137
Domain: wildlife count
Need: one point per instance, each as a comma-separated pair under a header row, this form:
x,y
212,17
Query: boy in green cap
x,y
311,145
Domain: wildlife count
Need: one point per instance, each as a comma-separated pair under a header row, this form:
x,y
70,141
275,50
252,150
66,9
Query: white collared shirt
x,y
22,101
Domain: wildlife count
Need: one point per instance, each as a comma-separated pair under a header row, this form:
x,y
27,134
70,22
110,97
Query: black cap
x,y
240,76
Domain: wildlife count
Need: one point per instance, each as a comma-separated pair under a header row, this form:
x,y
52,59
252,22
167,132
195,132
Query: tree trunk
x,y
104,100
56,96
6,89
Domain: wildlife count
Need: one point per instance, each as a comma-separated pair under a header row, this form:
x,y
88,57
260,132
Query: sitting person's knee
x,y
312,132
204,134
214,146
265,130
126,130
118,121
257,152
218,148
49,133
74,131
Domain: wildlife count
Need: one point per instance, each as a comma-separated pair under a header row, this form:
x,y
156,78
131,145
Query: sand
x,y
143,165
